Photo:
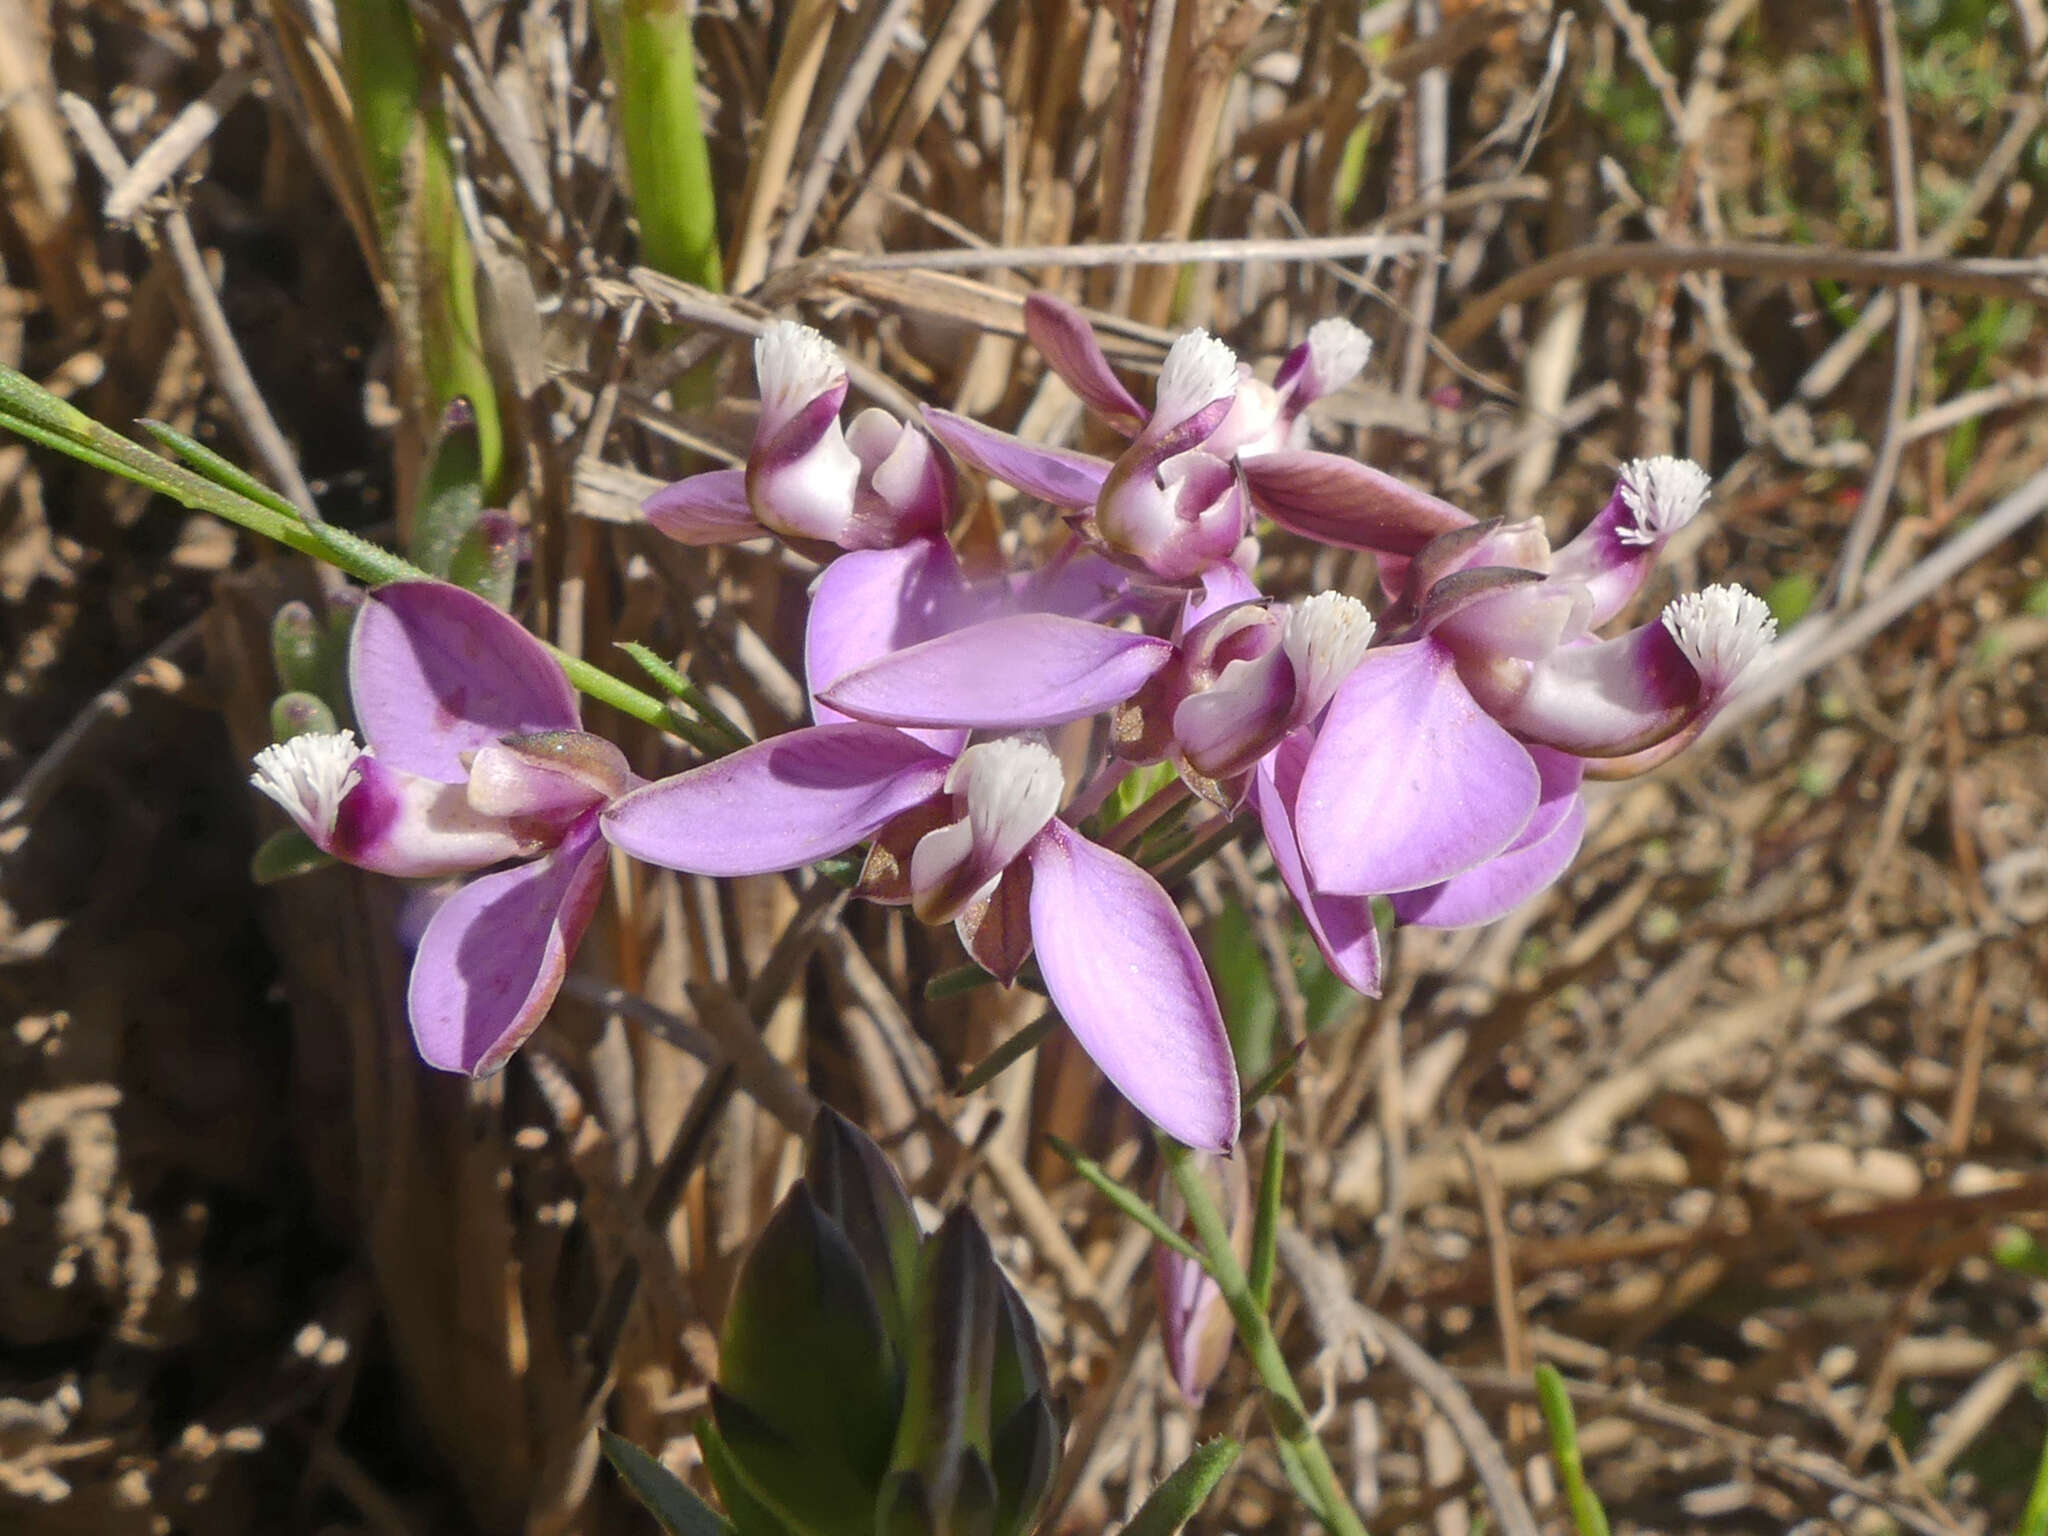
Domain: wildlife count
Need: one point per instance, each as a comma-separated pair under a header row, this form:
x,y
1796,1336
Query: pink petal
x,y
1608,698
494,955
779,804
1340,501
398,823
1056,475
1072,351
710,508
1410,782
875,601
1342,926
436,672
1501,884
1020,672
1119,965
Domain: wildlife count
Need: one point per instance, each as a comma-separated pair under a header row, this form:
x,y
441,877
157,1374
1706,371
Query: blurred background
x,y
1743,1124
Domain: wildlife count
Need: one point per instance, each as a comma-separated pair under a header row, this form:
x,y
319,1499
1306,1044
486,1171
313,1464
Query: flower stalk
x,y
30,411
653,64
411,171
1302,1447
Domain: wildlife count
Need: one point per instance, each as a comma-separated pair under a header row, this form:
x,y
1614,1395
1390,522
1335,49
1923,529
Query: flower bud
x,y
298,649
858,1190
300,714
871,1381
1194,1323
808,1383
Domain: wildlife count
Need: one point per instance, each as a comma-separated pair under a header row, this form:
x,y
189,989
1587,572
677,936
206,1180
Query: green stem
x,y
2034,1518
34,413
404,136
1283,1399
1588,1518
653,64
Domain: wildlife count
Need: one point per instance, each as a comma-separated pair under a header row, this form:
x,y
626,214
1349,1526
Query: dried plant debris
x,y
1741,1125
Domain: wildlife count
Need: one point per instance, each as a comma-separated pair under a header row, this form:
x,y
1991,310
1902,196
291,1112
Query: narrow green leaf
x,y
680,685
1266,1219
1010,1052
1126,1200
1177,1500
217,469
1277,1072
679,1511
2034,1518
1588,1518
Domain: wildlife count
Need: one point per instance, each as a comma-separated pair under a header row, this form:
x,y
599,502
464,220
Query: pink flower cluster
x,y
1431,753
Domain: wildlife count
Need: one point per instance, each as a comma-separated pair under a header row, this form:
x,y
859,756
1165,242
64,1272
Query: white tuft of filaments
x,y
309,776
794,365
1724,631
1663,494
1325,639
1337,353
1198,369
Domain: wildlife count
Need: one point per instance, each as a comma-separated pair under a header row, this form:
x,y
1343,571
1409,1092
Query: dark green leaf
x,y
679,1511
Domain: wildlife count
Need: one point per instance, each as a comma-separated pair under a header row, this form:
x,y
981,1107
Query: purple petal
x,y
1499,885
436,672
1119,965
494,955
1560,775
1410,782
1020,672
1342,926
875,601
1056,475
710,508
403,824
1608,698
1339,501
779,804
1072,351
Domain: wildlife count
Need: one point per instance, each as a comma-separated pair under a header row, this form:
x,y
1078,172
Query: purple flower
x,y
1267,417
872,485
1245,676
1427,767
1446,774
1172,504
474,757
972,837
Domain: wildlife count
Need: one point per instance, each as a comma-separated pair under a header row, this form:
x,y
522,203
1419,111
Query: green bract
x,y
874,1381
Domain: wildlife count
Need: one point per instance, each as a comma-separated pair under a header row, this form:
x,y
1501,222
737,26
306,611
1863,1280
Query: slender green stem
x,y
1588,1518
653,64
405,143
1283,1399
1126,1200
34,413
2034,1518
